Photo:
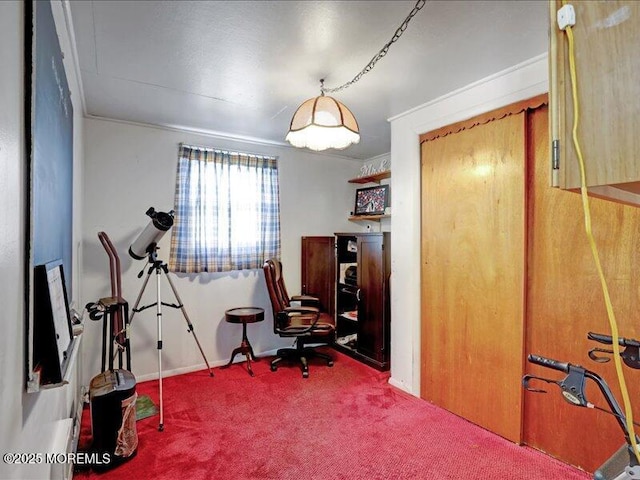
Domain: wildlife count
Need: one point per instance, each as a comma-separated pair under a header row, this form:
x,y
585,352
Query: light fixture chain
x,y
398,33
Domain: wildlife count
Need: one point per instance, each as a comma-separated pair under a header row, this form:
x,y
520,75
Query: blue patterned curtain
x,y
227,211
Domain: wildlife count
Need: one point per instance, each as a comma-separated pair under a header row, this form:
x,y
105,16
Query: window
x,y
227,211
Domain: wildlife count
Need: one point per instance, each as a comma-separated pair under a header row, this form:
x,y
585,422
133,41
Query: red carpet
x,y
344,422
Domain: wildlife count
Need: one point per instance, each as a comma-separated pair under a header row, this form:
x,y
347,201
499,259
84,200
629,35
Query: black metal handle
x,y
598,337
608,340
549,363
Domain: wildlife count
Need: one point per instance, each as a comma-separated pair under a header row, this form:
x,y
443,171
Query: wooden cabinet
x,y
362,296
349,273
607,38
318,270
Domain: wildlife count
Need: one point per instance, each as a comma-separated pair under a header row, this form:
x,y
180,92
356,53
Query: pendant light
x,y
323,122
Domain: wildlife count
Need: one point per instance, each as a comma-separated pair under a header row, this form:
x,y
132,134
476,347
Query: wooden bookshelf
x,y
376,178
367,218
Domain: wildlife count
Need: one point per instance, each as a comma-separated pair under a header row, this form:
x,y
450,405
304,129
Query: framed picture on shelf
x,y
371,200
52,331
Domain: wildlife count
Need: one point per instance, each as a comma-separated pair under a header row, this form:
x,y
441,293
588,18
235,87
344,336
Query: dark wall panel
x,y
52,154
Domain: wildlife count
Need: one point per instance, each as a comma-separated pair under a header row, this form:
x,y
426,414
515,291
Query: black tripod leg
x,y
186,318
135,305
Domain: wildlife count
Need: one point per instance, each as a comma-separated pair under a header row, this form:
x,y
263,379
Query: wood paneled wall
x,y
565,301
562,300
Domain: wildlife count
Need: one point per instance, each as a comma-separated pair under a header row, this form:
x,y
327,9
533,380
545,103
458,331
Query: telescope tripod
x,y
159,267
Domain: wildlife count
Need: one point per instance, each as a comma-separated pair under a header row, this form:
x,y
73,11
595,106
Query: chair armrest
x,y
283,317
301,309
303,298
306,300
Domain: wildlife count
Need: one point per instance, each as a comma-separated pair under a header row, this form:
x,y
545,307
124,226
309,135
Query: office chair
x,y
306,323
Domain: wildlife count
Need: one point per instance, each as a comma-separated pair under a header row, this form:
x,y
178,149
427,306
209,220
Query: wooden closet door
x,y
473,271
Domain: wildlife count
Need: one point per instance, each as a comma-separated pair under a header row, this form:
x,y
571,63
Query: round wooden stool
x,y
244,315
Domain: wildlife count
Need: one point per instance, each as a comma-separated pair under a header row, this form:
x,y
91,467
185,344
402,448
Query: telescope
x,y
145,244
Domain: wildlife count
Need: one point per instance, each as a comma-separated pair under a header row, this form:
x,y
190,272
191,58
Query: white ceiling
x,y
243,67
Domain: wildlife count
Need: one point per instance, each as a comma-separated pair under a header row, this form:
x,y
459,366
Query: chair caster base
x,y
302,355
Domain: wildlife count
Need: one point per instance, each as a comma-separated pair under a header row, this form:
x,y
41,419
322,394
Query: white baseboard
x,y
195,368
402,386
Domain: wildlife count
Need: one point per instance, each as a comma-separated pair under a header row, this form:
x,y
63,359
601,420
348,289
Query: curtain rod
x,y
210,149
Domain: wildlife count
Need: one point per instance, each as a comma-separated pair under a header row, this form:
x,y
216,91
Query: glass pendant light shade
x,y
323,122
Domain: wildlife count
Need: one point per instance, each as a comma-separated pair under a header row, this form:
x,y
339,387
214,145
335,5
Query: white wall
x,y
520,82
130,168
28,422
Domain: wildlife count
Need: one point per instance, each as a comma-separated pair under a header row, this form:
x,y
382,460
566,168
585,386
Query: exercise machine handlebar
x,y
608,340
549,363
573,386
